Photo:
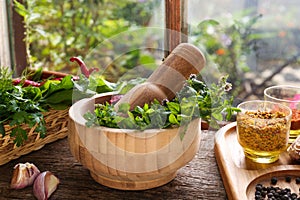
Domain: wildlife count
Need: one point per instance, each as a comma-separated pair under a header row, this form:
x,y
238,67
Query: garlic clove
x,y
24,175
44,185
294,150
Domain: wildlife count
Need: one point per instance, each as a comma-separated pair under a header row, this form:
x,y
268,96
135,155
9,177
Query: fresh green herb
x,y
19,106
195,100
23,104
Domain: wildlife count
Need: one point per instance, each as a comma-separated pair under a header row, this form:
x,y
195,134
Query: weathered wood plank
x,y
200,179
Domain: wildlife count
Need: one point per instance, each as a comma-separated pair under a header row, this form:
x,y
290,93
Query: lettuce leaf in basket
x,y
100,85
61,95
52,86
58,94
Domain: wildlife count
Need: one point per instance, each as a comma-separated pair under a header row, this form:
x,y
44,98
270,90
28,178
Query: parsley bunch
x,y
195,100
19,106
22,105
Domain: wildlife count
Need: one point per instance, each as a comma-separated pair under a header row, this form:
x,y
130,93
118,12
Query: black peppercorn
x,y
288,179
270,195
285,197
294,196
274,180
258,197
257,193
259,187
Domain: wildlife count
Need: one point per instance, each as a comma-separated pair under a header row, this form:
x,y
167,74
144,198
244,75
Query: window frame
x,y
16,31
5,53
176,23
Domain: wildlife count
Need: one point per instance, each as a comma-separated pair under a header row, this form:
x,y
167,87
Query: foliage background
x,y
234,42
58,30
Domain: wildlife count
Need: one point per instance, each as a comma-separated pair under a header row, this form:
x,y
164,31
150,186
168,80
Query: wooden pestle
x,y
168,78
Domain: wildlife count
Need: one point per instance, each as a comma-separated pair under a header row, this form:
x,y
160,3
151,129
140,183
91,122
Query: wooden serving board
x,y
240,175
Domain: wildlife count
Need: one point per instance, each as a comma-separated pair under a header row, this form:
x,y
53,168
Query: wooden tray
x,y
240,175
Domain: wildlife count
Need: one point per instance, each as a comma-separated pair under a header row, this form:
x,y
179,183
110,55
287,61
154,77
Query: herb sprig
x,y
19,106
195,100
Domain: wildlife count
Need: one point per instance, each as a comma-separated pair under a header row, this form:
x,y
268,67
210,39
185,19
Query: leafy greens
x,y
22,104
195,100
19,106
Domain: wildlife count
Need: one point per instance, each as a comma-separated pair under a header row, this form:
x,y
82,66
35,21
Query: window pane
x,y
111,35
252,41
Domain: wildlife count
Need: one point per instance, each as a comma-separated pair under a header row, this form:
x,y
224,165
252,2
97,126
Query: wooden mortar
x,y
129,159
168,78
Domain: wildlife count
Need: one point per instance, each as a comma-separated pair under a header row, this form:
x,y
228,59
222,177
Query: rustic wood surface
x,y
199,179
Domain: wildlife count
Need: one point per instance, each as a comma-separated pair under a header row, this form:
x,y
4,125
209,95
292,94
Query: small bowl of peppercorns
x,y
285,187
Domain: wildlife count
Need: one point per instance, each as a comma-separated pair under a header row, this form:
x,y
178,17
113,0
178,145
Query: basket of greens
x,y
34,108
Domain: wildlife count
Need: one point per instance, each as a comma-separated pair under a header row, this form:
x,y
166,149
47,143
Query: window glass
x,y
251,41
111,35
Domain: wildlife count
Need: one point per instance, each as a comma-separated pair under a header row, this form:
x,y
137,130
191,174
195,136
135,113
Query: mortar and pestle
x,y
128,159
168,78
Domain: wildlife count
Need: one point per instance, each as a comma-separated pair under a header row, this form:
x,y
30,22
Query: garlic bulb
x,y
24,175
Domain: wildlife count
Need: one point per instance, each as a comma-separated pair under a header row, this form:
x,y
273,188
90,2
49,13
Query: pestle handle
x,y
168,78
184,60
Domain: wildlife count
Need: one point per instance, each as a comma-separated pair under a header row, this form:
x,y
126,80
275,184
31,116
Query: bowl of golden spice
x,y
263,129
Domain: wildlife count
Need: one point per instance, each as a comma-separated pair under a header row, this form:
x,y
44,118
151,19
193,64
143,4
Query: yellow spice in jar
x,y
262,131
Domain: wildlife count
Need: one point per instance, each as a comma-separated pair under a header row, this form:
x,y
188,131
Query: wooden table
x,y
199,179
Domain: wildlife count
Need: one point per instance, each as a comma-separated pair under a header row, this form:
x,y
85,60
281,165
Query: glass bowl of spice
x,y
263,129
289,96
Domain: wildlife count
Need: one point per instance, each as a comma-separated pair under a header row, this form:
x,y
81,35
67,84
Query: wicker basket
x,y
56,124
